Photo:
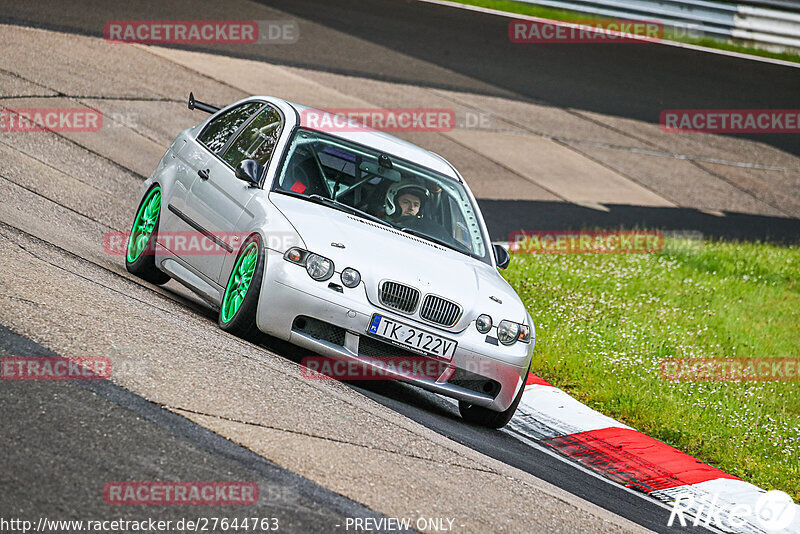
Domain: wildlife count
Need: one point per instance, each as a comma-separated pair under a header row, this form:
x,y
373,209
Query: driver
x,y
404,205
405,199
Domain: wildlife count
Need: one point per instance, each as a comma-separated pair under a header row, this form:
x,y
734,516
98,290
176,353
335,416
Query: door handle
x,y
203,174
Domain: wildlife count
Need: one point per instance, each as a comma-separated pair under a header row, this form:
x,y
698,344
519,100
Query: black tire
x,y
478,415
243,322
144,266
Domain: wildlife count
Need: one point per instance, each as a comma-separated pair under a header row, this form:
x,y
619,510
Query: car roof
x,y
382,141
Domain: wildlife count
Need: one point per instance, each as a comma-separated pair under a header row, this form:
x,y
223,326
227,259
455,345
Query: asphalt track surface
x,y
471,51
73,436
442,416
103,428
64,439
637,81
468,51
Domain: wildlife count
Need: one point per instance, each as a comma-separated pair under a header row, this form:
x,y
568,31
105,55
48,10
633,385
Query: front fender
x,y
276,232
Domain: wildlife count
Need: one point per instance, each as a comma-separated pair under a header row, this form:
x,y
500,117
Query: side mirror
x,y
249,170
501,256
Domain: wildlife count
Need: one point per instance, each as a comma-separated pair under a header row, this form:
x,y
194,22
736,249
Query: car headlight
x,y
318,267
350,277
508,332
483,323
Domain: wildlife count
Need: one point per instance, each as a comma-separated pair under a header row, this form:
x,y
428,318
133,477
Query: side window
x,y
257,140
218,131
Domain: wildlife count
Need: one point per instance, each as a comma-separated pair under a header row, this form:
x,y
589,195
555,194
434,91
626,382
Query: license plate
x,y
412,337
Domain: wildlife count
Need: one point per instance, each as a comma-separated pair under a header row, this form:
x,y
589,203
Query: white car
x,y
353,244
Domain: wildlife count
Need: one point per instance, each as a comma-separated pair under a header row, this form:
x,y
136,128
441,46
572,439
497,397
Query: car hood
x,y
381,253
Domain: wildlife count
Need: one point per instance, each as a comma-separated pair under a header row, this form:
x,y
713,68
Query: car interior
x,y
362,182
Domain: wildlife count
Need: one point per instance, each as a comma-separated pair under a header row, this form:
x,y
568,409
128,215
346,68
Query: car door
x,y
219,201
192,239
190,156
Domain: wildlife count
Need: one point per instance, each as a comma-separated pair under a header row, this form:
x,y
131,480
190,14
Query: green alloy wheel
x,y
140,256
239,283
237,314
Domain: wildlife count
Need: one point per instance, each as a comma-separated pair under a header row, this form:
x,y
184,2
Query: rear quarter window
x,y
217,132
257,140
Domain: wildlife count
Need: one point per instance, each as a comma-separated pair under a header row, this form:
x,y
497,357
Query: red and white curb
x,y
698,492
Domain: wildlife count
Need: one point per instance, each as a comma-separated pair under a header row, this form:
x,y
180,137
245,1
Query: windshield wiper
x,y
345,207
436,240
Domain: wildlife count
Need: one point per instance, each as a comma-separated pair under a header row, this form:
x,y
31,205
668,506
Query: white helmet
x,y
400,188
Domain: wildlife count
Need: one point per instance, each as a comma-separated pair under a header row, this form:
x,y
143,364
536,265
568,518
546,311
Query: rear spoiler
x,y
202,106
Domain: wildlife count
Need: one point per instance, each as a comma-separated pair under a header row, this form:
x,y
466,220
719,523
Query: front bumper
x,y
480,373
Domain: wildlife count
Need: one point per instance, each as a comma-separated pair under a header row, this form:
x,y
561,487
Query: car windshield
x,y
366,182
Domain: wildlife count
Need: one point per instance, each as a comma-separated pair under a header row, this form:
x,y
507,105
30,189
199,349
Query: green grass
x,y
572,16
604,322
